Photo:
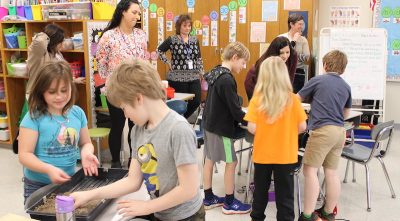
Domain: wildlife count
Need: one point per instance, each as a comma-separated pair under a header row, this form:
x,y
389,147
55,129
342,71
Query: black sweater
x,y
222,110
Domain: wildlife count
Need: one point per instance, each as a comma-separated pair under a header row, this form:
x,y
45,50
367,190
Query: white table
x,y
177,96
111,210
182,96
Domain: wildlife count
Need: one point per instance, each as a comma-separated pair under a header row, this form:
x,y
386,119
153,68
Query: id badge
x,y
190,64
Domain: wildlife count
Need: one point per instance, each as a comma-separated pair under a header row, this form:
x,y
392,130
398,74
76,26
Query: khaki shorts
x,y
324,147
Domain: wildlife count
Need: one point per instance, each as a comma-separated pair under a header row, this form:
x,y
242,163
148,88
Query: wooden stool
x,y
98,133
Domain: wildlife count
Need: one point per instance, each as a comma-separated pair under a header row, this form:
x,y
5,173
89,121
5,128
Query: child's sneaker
x,y
236,207
314,217
329,217
215,202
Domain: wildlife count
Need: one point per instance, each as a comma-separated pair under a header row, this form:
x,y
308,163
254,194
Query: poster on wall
x,y
345,16
263,48
269,11
153,10
160,37
242,15
232,26
305,16
387,16
214,33
206,35
190,4
145,6
146,22
258,32
94,30
291,4
224,10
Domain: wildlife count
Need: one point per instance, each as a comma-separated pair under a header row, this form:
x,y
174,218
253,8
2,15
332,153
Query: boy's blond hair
x,y
335,61
132,78
273,88
235,48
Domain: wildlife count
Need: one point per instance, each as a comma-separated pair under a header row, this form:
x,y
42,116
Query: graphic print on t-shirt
x,y
65,141
148,165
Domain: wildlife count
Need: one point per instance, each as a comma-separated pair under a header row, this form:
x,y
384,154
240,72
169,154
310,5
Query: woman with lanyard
x,y
186,65
120,42
300,44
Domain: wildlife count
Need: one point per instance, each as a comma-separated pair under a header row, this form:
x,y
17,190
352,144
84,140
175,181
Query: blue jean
x,y
31,186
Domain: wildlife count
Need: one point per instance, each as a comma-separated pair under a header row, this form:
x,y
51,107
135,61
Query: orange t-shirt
x,y
276,143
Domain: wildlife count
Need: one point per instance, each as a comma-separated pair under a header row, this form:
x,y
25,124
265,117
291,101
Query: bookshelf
x,y
15,86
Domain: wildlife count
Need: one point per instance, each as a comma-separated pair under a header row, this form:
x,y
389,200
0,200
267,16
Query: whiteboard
x,y
366,51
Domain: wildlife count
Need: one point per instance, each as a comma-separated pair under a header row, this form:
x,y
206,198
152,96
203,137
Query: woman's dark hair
x,y
122,6
274,49
293,18
56,35
50,71
182,19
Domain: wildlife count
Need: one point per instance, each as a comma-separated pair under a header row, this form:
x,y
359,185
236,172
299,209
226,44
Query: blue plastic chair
x,y
178,106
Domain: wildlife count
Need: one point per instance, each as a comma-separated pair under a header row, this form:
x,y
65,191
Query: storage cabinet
x,y
15,86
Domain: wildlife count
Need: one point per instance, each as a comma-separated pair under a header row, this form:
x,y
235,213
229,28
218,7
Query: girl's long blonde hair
x,y
273,88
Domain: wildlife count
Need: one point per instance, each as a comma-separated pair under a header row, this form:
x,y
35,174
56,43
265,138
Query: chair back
x,y
382,132
178,106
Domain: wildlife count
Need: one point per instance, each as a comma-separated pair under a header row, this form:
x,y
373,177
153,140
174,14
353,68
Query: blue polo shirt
x,y
328,94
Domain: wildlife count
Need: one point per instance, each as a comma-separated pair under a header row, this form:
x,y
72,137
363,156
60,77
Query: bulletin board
x,y
387,16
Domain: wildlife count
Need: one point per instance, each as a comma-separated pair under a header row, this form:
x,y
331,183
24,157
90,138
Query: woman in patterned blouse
x,y
120,42
186,65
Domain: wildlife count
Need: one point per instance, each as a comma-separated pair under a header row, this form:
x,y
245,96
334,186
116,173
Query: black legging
x,y
284,191
192,87
117,126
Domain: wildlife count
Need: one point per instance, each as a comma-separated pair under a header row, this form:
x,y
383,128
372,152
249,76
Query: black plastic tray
x,y
80,182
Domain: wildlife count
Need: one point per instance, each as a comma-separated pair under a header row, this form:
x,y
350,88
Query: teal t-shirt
x,y
57,141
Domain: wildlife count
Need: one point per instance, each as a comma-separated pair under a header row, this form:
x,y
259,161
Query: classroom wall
x,y
325,6
392,108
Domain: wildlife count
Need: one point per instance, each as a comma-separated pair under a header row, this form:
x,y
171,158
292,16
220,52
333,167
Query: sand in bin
x,y
49,206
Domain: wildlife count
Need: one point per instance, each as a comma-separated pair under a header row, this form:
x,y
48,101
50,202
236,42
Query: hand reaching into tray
x,y
89,163
57,175
81,198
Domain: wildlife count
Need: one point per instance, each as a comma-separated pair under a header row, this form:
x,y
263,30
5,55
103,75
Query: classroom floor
x,y
352,205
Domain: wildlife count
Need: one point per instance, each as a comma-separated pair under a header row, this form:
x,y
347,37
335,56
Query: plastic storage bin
x,y
11,40
4,135
364,132
21,11
2,93
21,41
3,122
28,12
36,12
3,12
72,10
12,10
102,10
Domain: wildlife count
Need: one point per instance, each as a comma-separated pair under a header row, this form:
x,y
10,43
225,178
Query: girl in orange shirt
x,y
275,117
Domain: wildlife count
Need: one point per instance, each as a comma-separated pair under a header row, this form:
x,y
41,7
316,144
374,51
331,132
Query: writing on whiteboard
x,y
366,53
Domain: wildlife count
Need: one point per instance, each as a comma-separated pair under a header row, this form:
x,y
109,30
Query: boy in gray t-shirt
x,y
164,151
330,98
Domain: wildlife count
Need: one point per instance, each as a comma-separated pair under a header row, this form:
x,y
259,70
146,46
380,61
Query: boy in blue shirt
x,y
330,98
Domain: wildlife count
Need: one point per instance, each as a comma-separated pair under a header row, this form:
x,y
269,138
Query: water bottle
x,y
64,208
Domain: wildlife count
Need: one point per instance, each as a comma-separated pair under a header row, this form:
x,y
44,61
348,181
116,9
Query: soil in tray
x,y
49,206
